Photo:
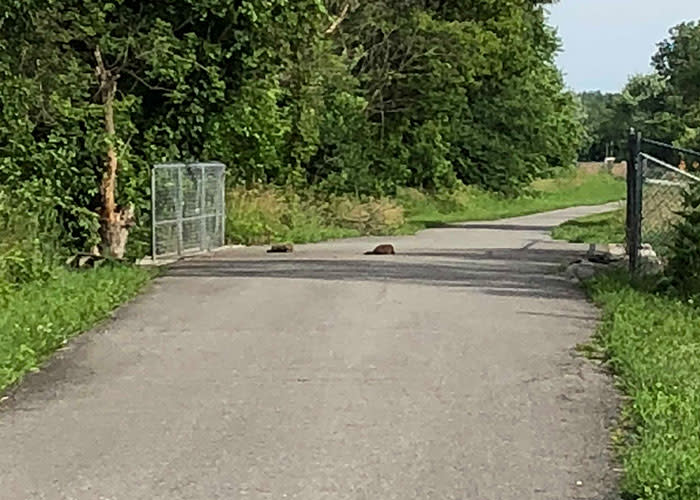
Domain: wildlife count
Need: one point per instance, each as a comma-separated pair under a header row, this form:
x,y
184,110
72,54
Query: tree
x,y
678,62
473,83
605,124
342,95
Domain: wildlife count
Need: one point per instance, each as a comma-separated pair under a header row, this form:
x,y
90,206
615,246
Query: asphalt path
x,y
447,371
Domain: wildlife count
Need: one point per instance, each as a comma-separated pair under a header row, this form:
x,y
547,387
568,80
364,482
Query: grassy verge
x,y
264,215
567,190
39,317
600,228
653,345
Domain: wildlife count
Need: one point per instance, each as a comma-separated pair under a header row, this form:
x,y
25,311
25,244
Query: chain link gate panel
x,y
655,192
663,192
188,207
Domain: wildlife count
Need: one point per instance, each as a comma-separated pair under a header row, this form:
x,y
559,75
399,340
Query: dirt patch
x,y
593,167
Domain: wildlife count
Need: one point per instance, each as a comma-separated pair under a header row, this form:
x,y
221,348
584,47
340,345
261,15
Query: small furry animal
x,y
382,250
284,248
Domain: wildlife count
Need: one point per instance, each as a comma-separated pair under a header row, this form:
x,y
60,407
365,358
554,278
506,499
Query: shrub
x,y
29,241
684,263
266,214
40,317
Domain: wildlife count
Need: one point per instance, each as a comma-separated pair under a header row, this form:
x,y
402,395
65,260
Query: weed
x,y
600,228
39,317
652,342
567,190
265,215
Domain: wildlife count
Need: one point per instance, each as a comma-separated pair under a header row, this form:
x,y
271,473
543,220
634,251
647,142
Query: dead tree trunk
x,y
115,222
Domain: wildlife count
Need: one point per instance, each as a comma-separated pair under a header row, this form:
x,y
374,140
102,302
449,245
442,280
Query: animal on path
x,y
284,248
382,250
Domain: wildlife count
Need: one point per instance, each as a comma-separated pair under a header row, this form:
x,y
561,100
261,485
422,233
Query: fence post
x,y
639,179
634,199
178,210
203,240
154,250
629,178
222,205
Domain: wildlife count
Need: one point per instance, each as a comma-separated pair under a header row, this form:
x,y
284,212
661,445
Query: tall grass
x,y
266,214
652,343
29,241
39,317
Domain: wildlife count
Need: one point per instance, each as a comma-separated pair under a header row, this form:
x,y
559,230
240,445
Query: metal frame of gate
x,y
640,177
188,208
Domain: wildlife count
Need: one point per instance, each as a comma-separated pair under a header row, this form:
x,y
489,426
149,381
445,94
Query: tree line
x,y
342,96
664,105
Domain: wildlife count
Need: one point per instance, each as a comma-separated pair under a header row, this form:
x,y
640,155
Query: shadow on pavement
x,y
487,225
505,227
508,256
499,272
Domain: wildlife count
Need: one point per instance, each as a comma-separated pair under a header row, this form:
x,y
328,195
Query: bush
x,y
29,241
40,317
684,263
417,94
267,214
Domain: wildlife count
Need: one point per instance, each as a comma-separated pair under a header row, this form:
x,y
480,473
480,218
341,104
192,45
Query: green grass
x,y
600,228
653,346
39,317
265,214
571,189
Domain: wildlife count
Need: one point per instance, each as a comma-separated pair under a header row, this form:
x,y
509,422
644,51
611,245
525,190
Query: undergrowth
x,y
599,228
29,241
566,190
39,317
266,214
652,342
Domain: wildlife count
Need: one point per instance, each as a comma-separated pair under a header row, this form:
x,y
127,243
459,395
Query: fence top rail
x,y
669,167
662,182
187,165
669,146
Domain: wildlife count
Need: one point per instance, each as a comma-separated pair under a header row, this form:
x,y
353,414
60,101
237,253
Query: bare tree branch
x,y
343,14
145,83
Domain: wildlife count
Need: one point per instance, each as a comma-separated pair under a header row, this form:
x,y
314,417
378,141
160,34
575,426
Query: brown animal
x,y
382,250
284,248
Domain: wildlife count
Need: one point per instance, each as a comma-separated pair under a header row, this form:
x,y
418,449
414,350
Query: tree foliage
x,y
684,265
604,125
343,95
678,61
663,105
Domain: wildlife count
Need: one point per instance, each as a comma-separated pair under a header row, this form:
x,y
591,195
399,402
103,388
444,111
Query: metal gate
x,y
655,190
188,208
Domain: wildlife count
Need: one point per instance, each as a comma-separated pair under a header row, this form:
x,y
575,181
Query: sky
x,y
607,41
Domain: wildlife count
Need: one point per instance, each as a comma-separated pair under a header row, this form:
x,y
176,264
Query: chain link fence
x,y
662,200
188,207
655,195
